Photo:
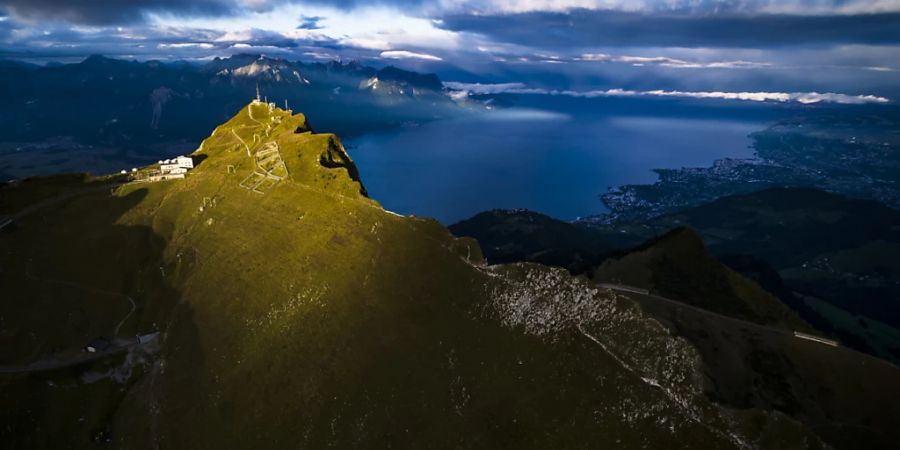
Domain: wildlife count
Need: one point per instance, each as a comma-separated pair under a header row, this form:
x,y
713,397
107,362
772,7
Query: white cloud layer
x,y
202,45
665,61
403,54
781,97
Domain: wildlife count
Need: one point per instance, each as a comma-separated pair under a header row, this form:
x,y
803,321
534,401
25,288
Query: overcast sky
x,y
850,46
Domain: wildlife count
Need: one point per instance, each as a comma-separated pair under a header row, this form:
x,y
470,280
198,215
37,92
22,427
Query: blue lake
x,y
550,162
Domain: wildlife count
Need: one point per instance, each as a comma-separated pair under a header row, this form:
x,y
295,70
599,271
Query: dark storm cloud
x,y
310,23
217,40
589,28
146,42
119,12
106,12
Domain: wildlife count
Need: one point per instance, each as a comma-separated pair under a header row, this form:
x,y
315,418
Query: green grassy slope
x,y
307,316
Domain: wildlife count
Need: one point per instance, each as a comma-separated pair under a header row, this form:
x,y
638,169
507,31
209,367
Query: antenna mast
x,y
257,92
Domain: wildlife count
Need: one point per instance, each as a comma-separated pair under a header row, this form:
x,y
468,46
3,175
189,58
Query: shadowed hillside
x,y
677,265
744,334
829,258
521,235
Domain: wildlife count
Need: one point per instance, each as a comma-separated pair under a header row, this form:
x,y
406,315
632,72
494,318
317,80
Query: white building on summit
x,y
175,166
172,168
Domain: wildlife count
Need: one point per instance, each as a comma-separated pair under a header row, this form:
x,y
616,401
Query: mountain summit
x,y
274,145
276,305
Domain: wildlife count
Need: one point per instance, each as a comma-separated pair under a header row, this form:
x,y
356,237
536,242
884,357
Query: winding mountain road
x,y
118,345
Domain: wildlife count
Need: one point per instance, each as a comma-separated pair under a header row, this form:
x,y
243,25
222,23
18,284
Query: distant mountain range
x,y
104,114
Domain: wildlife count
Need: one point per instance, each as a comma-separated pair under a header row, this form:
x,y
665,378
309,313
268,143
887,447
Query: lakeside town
x,y
817,152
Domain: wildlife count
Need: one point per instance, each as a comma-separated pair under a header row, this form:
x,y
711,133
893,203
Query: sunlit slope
x,y
301,314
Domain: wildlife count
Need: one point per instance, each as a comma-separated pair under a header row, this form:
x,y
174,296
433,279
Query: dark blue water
x,y
550,162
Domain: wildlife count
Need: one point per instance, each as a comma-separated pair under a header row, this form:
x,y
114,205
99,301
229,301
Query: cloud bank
x,y
583,28
113,12
699,7
117,12
781,97
665,61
